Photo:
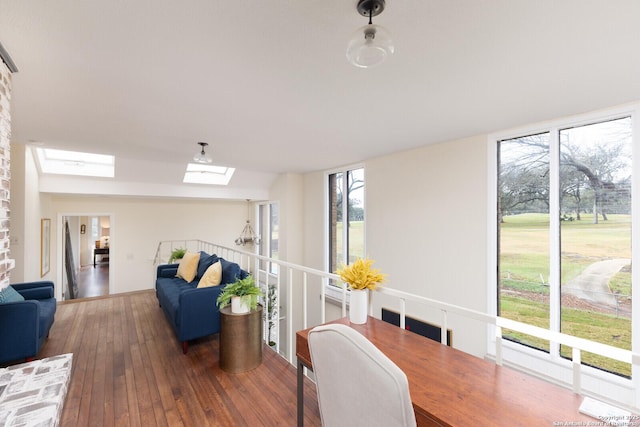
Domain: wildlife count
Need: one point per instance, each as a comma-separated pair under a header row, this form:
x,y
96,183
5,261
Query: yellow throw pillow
x,y
188,266
211,277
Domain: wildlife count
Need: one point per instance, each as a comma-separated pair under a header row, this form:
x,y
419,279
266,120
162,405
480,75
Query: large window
x,y
523,233
346,220
564,235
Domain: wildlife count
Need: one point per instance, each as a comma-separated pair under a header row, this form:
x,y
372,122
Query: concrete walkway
x,y
593,283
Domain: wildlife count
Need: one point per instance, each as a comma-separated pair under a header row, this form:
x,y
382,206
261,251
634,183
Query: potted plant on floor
x,y
242,294
272,313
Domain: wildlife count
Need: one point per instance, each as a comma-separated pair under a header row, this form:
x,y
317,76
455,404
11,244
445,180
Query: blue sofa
x,y
25,325
192,312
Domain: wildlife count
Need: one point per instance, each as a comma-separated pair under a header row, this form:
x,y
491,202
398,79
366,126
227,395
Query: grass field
x,y
524,266
524,269
524,244
356,240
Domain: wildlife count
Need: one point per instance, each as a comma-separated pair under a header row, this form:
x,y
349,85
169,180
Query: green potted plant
x,y
272,312
242,294
176,255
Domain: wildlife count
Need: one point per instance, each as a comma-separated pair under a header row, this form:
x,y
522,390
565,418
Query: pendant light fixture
x,y
371,44
201,156
248,236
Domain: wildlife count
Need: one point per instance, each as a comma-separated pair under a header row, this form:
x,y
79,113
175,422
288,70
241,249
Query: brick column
x,y
6,263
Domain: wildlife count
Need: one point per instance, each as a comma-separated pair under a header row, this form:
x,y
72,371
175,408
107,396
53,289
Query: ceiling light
x,y
248,235
371,44
201,156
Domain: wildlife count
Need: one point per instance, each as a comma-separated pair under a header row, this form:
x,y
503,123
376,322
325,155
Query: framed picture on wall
x,y
45,246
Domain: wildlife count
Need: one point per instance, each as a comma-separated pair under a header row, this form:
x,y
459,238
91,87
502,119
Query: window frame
x,y
551,365
332,290
265,231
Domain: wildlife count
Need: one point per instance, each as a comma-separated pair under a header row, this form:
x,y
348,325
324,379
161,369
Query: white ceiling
x,y
267,85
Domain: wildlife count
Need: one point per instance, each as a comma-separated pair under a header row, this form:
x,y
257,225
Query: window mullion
x,y
635,233
554,237
345,218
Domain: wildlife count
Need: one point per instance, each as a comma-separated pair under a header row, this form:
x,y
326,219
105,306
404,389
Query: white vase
x,y
358,306
240,305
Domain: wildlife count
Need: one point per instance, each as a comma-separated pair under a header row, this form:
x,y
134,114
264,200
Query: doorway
x,y
86,250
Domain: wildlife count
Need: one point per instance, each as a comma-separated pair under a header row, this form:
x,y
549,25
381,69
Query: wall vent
x,y
420,327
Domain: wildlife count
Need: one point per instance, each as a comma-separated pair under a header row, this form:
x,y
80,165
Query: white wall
x,y
427,227
288,191
315,239
17,202
138,225
28,207
426,222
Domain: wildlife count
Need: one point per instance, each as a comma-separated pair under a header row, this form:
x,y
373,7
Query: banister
x,y
498,323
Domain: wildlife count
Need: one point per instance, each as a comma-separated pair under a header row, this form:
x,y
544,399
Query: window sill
x,y
604,386
334,295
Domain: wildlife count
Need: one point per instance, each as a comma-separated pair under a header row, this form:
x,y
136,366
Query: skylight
x,y
62,162
207,174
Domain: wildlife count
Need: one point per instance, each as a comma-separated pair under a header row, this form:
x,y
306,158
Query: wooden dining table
x,y
449,387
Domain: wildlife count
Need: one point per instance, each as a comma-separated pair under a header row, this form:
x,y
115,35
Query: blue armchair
x,y
25,325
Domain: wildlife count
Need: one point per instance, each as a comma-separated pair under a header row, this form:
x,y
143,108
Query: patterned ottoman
x,y
33,393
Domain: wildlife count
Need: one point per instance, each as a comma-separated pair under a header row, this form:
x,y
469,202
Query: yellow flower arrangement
x,y
360,275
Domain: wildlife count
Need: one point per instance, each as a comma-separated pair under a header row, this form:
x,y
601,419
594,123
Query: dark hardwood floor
x,y
93,281
129,370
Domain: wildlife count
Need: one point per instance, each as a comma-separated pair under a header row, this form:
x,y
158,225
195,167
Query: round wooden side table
x,y
240,340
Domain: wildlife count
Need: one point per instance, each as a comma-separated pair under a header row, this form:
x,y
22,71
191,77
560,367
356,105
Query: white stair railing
x,y
285,271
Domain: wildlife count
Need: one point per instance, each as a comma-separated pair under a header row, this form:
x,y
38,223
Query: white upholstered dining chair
x,y
357,384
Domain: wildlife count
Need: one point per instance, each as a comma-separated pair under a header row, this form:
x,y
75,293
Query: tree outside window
x,y
564,235
346,220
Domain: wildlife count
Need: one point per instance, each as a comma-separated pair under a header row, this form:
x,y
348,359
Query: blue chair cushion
x,y
9,294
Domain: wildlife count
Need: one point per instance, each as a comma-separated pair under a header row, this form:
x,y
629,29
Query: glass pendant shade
x,y
201,156
369,46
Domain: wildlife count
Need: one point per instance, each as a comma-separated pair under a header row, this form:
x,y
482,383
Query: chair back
x,y
357,384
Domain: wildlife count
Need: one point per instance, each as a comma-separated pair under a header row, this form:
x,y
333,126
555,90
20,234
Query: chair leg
x,y
185,347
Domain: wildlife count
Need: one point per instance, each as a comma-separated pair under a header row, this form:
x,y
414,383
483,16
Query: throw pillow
x,y
230,271
188,266
9,294
205,262
212,277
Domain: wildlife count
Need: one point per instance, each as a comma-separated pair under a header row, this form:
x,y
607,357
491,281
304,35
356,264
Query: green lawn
x,y
599,327
524,267
356,239
524,243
